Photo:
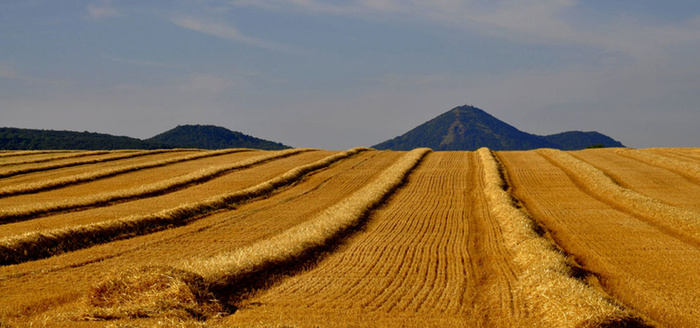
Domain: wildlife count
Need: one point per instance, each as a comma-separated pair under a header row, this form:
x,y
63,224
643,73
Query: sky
x,y
340,74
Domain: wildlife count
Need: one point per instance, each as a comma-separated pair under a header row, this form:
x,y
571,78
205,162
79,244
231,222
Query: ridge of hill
x,y
188,136
573,140
35,139
470,128
212,137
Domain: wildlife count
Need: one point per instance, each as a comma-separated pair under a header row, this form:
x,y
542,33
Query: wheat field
x,y
356,238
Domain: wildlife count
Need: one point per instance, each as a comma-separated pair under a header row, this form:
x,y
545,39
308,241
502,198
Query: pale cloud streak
x,y
139,62
100,10
8,71
228,32
531,21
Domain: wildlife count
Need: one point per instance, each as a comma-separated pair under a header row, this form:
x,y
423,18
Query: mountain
x,y
32,139
187,136
212,137
470,128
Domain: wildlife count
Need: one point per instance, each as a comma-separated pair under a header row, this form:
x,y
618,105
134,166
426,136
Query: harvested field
x,y
689,169
46,157
208,236
108,171
98,157
653,181
89,196
73,186
688,155
639,264
434,256
59,171
360,238
33,153
414,261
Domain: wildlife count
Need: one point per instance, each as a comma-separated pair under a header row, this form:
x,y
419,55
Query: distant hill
x,y
470,128
32,139
186,136
573,140
212,137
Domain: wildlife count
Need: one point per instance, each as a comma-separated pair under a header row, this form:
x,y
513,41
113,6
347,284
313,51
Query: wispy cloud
x,y
139,62
228,32
532,21
346,8
102,9
8,71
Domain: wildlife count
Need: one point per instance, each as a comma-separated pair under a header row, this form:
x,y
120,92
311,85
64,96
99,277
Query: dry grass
x,y
279,250
681,167
13,153
552,296
652,272
679,222
76,272
92,176
46,167
318,231
650,180
152,291
30,211
42,244
44,159
431,254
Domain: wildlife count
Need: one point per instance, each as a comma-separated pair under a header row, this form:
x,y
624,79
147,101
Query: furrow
x,y
373,279
21,213
653,273
552,296
81,169
13,153
110,172
130,180
42,244
679,222
683,154
76,272
432,287
493,297
405,268
226,183
43,159
111,157
426,287
688,169
644,178
229,270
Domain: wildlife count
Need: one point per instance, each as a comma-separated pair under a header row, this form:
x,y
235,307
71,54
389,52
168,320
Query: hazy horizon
x,y
312,73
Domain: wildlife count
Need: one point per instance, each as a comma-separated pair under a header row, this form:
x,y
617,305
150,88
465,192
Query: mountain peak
x,y
470,128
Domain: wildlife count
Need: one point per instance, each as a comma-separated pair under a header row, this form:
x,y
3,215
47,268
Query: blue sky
x,y
338,74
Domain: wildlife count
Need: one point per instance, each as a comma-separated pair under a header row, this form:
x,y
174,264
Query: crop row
x,y
35,245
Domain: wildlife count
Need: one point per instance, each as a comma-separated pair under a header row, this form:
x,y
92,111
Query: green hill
x,y
32,139
470,128
573,140
212,137
186,136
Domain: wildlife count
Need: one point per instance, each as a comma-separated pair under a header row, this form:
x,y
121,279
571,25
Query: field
x,y
356,238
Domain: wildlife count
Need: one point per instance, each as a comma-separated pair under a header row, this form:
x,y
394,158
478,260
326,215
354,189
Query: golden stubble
x,y
278,250
39,244
553,298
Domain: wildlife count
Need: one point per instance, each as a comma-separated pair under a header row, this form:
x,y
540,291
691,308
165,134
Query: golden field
x,y
356,238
